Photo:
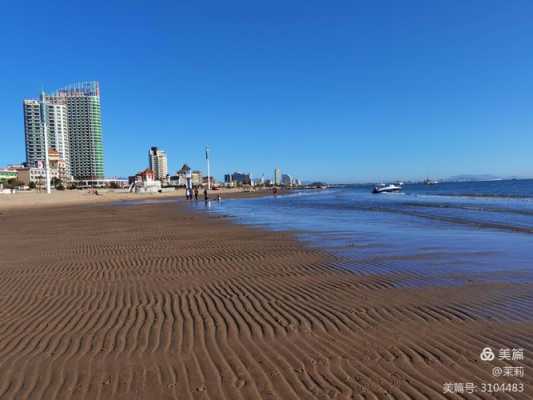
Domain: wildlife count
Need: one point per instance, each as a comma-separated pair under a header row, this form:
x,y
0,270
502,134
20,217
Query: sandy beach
x,y
160,302
34,199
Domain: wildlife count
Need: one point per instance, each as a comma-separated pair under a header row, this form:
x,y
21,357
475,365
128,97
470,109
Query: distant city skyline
x,y
347,92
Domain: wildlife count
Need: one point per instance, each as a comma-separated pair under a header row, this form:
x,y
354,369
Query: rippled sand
x,y
156,302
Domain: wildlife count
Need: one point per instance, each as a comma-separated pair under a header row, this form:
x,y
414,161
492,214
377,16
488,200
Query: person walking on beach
x,y
206,197
195,193
188,194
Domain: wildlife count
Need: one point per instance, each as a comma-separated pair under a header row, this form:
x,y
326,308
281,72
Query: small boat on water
x,y
383,188
430,182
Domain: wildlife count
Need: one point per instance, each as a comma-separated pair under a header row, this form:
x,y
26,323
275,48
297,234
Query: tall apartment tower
x,y
37,115
33,132
277,177
73,119
157,162
82,101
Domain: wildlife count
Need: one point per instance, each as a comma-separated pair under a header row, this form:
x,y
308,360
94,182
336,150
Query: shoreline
x,y
160,301
33,200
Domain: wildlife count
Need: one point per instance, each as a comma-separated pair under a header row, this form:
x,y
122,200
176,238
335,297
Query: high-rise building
x,y
277,177
157,162
72,116
37,114
238,178
84,128
33,132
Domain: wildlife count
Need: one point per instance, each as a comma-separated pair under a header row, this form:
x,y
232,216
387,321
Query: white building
x,y
277,177
145,182
36,114
157,162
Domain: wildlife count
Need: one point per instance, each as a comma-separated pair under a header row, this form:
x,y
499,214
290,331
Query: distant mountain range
x,y
474,178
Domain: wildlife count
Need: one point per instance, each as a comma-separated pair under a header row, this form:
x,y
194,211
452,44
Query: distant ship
x,y
430,182
390,188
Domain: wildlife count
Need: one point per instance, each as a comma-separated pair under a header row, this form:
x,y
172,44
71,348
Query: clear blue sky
x,y
339,90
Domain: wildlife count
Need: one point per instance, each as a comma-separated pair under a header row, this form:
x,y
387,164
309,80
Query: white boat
x,y
390,188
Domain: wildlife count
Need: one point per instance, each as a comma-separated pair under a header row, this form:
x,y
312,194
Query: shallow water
x,y
442,234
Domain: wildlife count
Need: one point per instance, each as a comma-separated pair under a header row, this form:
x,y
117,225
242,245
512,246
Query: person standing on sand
x,y
206,197
195,193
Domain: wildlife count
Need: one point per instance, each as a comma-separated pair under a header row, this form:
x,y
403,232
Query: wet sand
x,y
159,302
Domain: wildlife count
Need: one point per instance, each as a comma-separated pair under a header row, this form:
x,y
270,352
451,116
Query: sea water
x,y
448,233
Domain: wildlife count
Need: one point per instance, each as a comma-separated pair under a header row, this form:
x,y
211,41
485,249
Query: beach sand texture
x,y
158,302
34,199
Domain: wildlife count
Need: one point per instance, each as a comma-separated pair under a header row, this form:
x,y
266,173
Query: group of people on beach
x,y
189,193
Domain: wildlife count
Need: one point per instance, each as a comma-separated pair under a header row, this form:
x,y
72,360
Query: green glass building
x,y
84,128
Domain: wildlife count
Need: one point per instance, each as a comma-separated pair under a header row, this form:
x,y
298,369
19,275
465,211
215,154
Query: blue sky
x,y
341,91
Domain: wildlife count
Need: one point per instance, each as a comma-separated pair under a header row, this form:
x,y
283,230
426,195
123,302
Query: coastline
x,y
31,200
160,301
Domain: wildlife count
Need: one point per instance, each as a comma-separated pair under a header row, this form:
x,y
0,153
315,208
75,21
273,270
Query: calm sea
x,y
449,233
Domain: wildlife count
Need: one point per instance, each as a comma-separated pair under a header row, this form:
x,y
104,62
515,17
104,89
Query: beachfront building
x,y
84,128
114,183
7,175
72,119
277,177
196,178
40,115
37,173
157,162
228,181
180,179
209,181
237,179
144,182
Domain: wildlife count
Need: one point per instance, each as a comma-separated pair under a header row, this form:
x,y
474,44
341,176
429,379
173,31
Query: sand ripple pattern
x,y
152,302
